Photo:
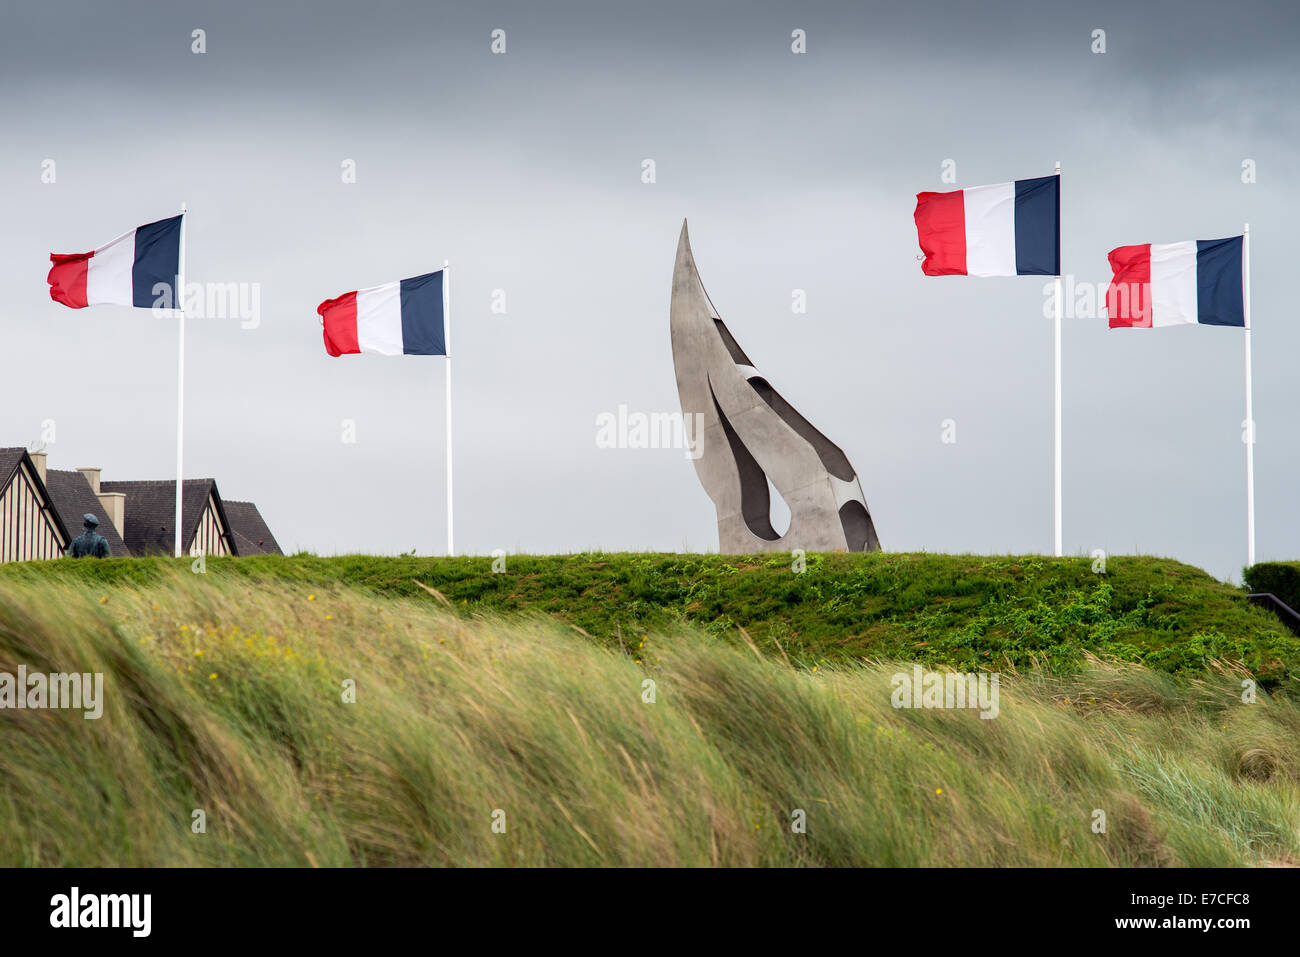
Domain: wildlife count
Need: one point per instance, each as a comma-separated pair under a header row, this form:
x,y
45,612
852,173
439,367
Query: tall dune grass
x,y
227,696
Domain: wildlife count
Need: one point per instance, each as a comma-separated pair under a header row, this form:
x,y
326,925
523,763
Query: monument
x,y
89,543
751,435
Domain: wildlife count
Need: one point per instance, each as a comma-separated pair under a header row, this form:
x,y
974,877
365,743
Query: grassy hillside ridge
x,y
223,693
971,612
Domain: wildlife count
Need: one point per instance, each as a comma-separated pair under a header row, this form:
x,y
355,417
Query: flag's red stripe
x,y
1128,300
339,318
67,278
941,230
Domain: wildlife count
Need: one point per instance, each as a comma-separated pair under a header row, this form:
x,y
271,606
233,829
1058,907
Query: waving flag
x,y
1009,229
138,268
1170,284
411,317
397,318
1207,282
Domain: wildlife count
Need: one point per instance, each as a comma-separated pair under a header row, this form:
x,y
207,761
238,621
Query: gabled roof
x,y
11,460
151,513
150,510
250,532
73,497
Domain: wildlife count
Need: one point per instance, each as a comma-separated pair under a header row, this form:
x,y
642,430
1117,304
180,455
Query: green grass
x,y
224,693
964,611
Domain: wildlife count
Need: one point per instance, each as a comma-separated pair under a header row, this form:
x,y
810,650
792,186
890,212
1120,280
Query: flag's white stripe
x,y
108,273
1173,283
990,230
379,319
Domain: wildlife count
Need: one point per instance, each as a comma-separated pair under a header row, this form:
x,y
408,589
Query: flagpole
x,y
1250,417
1056,488
180,379
446,311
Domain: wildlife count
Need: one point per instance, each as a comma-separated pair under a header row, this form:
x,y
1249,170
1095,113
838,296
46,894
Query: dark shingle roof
x,y
73,497
9,459
251,534
151,513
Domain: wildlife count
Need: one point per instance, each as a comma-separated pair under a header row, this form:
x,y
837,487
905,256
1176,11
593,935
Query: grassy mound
x,y
963,611
225,693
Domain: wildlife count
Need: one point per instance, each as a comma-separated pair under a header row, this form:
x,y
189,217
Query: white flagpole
x,y
446,312
1056,488
180,379
1250,417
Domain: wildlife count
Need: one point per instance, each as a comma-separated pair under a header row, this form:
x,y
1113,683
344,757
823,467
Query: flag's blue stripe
x,y
1038,226
1219,300
157,260
422,328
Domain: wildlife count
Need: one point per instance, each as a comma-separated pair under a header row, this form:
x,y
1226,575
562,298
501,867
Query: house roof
x,y
250,531
73,497
151,512
11,459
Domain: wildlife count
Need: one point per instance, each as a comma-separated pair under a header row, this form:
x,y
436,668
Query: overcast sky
x,y
525,170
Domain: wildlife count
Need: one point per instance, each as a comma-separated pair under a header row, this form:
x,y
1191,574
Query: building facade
x,y
41,512
30,527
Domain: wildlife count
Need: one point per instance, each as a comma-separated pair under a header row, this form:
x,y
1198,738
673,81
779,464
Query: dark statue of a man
x,y
90,542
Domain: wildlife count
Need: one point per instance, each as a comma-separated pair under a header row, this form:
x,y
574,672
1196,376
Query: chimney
x,y
38,459
92,476
114,505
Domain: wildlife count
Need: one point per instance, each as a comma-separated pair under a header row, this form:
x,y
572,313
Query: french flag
x,y
1008,229
1170,284
137,269
395,319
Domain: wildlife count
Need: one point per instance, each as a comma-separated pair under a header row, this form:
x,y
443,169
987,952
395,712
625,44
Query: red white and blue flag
x,y
1008,229
137,269
397,318
1170,284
